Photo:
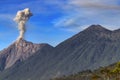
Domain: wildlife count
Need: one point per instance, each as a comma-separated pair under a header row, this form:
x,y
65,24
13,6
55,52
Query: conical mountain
x,y
17,52
92,48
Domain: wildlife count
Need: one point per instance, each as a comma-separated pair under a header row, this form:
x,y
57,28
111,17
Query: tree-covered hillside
x,y
111,72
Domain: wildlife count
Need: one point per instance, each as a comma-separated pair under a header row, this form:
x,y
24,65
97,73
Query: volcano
x,y
91,48
18,52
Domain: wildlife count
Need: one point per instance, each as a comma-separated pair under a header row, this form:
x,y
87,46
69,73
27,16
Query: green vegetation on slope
x,y
104,73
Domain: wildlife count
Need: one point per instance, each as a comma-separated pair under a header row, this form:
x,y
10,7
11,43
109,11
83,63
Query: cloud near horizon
x,y
83,13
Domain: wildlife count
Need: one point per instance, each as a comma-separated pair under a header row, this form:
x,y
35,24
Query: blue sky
x,y
56,20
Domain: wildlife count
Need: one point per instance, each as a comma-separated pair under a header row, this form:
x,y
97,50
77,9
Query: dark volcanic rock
x,y
33,67
18,51
90,49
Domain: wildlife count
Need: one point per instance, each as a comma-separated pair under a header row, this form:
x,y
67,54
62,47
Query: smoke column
x,y
21,18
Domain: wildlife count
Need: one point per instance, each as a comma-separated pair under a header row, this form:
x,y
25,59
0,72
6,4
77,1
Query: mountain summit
x,y
92,48
17,52
89,49
96,27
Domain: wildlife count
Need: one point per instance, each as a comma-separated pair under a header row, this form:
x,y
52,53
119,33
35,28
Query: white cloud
x,y
6,16
6,20
99,4
77,13
81,13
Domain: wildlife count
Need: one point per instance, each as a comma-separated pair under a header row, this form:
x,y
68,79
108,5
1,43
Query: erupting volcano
x,y
21,18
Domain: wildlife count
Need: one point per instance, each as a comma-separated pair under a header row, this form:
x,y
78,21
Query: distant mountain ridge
x,y
91,48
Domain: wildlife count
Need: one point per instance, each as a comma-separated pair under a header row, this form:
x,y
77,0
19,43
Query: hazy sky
x,y
56,20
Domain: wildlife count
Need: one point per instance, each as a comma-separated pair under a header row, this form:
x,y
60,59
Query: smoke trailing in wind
x,y
21,18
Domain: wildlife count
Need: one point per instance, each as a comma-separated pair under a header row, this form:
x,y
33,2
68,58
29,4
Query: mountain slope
x,y
31,69
90,49
17,52
110,72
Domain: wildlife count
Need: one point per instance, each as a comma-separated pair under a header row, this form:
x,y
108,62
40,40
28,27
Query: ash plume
x,y
21,18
